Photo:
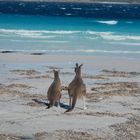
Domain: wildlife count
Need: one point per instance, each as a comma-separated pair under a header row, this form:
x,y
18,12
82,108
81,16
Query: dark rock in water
x,y
6,51
37,53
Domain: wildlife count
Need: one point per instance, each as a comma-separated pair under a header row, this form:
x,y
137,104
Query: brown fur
x,y
76,88
54,91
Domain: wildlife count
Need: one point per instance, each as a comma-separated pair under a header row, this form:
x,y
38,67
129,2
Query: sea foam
x,y
45,34
109,22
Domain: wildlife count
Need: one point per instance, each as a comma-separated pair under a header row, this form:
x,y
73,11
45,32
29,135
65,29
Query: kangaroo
x,y
76,89
54,91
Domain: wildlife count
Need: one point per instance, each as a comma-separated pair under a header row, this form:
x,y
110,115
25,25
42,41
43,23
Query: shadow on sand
x,y
40,102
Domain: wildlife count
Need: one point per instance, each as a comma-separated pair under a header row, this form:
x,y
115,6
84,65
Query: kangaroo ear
x,y
80,65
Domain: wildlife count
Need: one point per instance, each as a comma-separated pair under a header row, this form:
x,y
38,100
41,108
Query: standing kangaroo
x,y
54,91
76,89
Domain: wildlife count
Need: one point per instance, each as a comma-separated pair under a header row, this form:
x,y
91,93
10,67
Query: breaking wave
x,y
45,34
109,22
40,34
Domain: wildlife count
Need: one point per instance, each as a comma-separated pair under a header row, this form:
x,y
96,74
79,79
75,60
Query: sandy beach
x,y
113,95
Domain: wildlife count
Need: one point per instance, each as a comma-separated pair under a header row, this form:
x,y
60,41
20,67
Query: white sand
x,y
19,118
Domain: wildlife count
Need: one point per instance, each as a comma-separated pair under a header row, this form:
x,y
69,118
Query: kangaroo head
x,y
78,69
56,73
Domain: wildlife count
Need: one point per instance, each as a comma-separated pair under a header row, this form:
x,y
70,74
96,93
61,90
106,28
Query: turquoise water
x,y
69,35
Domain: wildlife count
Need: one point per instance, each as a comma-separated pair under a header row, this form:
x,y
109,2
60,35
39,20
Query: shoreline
x,y
97,61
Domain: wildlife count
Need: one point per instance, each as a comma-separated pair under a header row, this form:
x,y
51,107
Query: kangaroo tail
x,y
74,99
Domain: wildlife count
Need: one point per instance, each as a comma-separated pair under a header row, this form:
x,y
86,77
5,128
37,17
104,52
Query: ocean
x,y
69,35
